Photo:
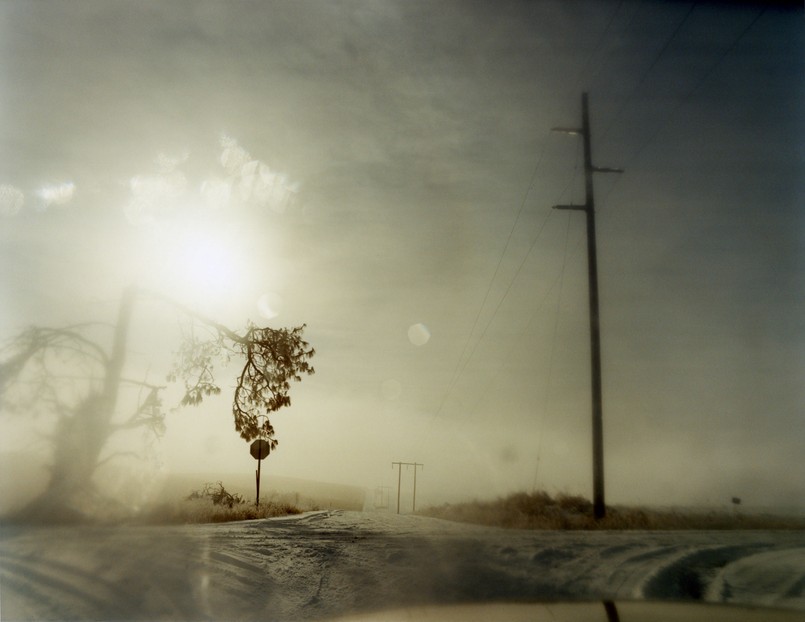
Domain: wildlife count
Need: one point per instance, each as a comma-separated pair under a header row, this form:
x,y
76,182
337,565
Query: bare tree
x,y
69,375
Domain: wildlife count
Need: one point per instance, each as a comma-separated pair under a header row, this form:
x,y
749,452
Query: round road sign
x,y
260,449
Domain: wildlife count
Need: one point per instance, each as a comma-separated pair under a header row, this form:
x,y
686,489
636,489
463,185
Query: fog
x,y
384,172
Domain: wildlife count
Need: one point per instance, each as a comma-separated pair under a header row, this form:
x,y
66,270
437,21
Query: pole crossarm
x,y
568,130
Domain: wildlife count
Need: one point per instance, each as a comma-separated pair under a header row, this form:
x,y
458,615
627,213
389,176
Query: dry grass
x,y
189,511
541,511
305,494
213,503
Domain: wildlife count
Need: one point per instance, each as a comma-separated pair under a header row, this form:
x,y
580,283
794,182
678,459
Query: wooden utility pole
x,y
599,507
383,492
399,479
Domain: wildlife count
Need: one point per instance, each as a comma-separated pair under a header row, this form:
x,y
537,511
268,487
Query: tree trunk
x,y
80,438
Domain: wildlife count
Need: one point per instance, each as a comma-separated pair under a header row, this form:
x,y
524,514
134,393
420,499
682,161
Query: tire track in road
x,y
67,595
687,577
771,577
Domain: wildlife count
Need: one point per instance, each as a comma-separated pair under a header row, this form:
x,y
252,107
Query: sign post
x,y
259,450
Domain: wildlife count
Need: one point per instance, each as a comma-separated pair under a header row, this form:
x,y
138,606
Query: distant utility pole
x,y
399,479
383,493
599,508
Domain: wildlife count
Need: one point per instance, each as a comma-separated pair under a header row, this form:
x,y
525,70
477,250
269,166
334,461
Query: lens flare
x,y
56,194
253,180
269,305
418,334
153,195
11,200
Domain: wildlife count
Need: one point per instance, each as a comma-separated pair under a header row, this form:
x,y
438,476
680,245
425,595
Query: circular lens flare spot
x,y
269,305
418,334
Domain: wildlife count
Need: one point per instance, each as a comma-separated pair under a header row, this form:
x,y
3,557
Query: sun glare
x,y
203,261
198,264
192,234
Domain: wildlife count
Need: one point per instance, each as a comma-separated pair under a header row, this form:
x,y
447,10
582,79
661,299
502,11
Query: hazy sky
x,y
369,167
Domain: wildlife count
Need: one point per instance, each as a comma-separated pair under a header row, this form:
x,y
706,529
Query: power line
x,y
469,348
467,352
698,84
653,64
461,359
597,46
520,266
687,96
467,357
551,357
526,329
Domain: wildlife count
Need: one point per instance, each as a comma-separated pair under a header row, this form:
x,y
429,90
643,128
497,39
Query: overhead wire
x,y
699,83
531,248
457,372
470,348
546,394
599,42
548,383
522,263
687,96
651,66
467,352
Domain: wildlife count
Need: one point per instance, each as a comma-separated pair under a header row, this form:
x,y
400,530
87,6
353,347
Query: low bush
x,y
218,495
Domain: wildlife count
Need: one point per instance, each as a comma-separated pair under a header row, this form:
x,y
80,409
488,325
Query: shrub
x,y
219,495
574,503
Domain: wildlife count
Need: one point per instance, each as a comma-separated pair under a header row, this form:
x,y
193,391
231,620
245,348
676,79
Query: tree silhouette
x,y
69,375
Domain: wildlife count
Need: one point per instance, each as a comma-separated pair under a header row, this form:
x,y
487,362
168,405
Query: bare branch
x,y
148,414
117,454
219,328
143,383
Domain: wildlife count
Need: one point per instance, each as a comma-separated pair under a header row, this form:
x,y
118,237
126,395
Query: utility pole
x,y
383,492
399,479
599,508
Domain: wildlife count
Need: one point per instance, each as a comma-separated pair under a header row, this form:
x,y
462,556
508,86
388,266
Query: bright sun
x,y
194,245
204,261
198,265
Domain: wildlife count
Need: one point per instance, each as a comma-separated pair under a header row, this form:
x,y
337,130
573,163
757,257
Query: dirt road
x,y
325,564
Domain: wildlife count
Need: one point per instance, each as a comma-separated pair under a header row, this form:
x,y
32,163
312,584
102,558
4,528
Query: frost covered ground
x,y
327,564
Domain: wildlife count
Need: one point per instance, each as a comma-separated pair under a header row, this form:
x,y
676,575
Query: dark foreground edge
x,y
606,611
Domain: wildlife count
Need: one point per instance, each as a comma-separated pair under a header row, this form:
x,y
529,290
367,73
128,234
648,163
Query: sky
x,y
384,172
